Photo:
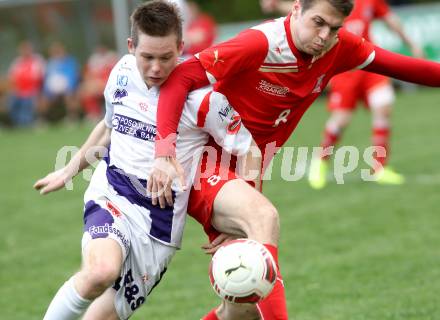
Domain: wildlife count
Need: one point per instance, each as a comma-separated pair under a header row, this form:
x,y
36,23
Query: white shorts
x,y
145,259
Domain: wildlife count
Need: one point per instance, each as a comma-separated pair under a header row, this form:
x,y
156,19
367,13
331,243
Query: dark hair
x,y
156,18
343,6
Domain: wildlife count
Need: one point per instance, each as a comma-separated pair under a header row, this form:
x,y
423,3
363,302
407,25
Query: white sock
x,y
67,304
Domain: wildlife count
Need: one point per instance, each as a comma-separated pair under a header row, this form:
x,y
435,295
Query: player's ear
x,y
130,45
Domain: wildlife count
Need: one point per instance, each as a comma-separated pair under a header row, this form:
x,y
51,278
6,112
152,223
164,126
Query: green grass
x,y
354,251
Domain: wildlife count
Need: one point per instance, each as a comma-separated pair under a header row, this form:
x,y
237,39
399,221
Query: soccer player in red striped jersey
x,y
374,90
271,74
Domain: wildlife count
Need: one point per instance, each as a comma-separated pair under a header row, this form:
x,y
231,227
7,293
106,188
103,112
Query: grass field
x,y
349,252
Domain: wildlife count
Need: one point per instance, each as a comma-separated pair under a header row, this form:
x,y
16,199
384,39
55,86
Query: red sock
x,y
381,137
330,139
273,307
211,315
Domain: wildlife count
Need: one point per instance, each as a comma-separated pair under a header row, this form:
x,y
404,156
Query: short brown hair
x,y
343,6
156,18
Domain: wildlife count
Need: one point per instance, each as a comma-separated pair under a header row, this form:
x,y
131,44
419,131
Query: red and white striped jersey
x,y
270,83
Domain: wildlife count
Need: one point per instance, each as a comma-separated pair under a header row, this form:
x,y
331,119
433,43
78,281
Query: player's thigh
x,y
238,206
103,255
103,307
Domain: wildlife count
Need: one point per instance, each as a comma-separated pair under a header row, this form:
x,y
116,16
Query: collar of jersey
x,y
303,59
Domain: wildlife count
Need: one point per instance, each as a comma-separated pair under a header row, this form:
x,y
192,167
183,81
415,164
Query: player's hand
x,y
211,248
165,170
53,181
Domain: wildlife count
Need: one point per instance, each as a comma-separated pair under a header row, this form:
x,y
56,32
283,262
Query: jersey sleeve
x,y
246,51
354,52
219,119
405,68
381,9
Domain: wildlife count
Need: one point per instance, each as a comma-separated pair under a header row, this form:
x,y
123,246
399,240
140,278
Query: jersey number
x,y
282,118
213,180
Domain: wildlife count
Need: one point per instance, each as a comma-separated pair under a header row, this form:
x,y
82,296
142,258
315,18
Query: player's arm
x,y
393,22
246,51
99,137
356,53
419,71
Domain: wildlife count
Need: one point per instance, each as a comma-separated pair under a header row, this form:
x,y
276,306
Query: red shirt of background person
x,y
26,72
97,71
358,22
201,30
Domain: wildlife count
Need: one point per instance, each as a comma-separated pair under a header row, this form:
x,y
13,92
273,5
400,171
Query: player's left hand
x,y
53,181
164,171
211,248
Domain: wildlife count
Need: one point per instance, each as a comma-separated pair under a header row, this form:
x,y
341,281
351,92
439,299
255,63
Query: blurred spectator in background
x,y
60,86
271,6
25,78
96,73
201,29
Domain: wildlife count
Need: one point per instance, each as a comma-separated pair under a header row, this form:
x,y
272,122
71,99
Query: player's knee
x,y
264,225
101,275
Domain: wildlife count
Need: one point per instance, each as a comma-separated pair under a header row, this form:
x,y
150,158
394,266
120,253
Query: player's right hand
x,y
163,173
52,182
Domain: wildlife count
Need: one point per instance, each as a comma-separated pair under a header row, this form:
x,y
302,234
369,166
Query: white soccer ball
x,y
242,271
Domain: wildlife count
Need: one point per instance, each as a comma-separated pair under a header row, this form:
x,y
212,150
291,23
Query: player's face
x,y
156,57
315,30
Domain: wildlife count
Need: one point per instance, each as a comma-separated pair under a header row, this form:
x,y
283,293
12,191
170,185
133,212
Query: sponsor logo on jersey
x,y
235,125
121,80
224,111
135,128
273,89
113,210
118,95
105,230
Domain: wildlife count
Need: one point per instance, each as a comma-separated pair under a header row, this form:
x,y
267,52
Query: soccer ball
x,y
242,271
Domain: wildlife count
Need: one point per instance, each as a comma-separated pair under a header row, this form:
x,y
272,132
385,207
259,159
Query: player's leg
x,y
216,206
341,104
250,214
103,307
255,216
380,99
102,260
